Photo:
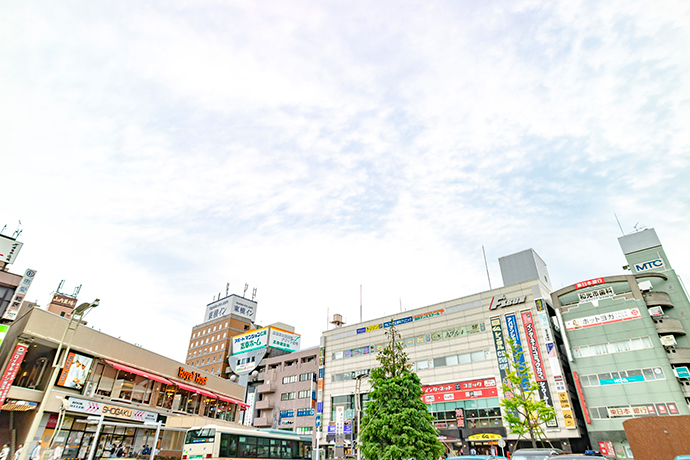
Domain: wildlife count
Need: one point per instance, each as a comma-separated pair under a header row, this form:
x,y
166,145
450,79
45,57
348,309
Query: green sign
x,y
3,332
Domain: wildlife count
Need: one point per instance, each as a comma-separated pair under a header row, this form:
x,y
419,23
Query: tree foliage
x,y
525,412
396,423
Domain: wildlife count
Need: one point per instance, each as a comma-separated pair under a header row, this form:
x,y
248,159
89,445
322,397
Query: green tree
x,y
396,423
525,412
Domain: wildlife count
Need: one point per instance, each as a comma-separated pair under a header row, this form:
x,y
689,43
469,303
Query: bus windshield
x,y
200,435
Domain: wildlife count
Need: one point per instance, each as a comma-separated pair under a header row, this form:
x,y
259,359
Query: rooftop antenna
x,y
18,231
327,317
639,229
60,286
487,267
254,293
244,294
76,291
3,229
227,289
360,303
400,298
619,223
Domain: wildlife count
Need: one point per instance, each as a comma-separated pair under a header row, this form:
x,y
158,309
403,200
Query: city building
x,y
103,376
459,350
286,398
625,337
210,341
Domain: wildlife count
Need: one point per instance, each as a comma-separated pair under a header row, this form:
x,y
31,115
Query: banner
x,y
499,344
252,340
460,391
283,340
13,307
97,408
514,334
537,362
9,249
603,318
11,371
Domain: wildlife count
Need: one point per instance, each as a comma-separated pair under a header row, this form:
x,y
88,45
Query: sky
x,y
155,151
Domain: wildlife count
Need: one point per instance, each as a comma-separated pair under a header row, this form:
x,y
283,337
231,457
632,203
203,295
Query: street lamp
x,y
58,363
358,407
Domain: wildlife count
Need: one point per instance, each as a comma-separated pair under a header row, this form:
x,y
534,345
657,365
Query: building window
x,y
291,363
290,379
306,377
304,394
637,343
287,396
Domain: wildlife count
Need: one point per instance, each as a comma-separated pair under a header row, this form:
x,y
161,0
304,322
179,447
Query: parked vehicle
x,y
535,454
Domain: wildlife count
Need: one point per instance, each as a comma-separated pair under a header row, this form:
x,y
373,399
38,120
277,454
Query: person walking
x,y
5,452
36,453
18,452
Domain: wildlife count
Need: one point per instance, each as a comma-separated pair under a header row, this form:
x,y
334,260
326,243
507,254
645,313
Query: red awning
x,y
244,406
196,390
132,370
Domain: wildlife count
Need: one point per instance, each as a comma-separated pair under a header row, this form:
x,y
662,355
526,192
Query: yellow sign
x,y
568,417
484,436
563,398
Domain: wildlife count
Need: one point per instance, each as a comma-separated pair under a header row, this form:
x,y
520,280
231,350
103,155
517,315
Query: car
x,y
682,457
535,454
478,457
579,456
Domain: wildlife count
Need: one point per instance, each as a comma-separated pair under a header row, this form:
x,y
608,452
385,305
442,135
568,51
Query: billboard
x,y
13,307
9,249
460,391
77,367
63,301
283,340
252,340
238,306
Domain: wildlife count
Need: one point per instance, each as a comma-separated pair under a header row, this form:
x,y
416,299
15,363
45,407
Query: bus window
x,y
262,448
275,448
228,445
307,450
247,446
285,449
201,435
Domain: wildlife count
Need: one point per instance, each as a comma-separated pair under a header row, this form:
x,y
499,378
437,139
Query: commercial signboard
x,y
11,370
501,301
3,332
13,307
109,410
682,372
596,295
584,284
650,265
460,391
252,340
514,334
9,249
63,301
655,311
499,344
283,340
77,367
537,362
603,318
238,306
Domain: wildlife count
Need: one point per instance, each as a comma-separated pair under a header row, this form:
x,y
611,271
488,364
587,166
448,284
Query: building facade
x,y
626,340
459,351
102,376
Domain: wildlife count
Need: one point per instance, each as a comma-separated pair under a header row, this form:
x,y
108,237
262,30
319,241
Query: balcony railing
x,y
678,355
656,298
666,325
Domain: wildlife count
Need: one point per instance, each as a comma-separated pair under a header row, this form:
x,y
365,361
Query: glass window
x,y
477,355
262,448
646,342
439,362
228,445
465,358
659,373
634,372
615,375
603,376
451,360
422,364
648,374
577,353
247,446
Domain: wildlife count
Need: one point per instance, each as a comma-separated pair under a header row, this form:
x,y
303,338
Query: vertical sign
x,y
460,417
11,371
13,307
537,362
514,334
499,343
555,364
249,413
578,387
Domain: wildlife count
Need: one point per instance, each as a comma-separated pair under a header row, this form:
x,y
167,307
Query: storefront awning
x,y
244,406
196,390
132,370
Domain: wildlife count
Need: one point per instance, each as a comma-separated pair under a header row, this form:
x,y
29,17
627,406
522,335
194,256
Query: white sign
x,y
604,318
597,294
97,408
668,340
249,413
9,249
501,301
656,311
283,340
252,340
13,307
339,420
654,264
238,306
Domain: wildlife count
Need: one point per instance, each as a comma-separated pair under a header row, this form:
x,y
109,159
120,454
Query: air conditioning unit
x,y
89,389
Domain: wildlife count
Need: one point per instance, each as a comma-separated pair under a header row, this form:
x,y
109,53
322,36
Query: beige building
x,y
103,376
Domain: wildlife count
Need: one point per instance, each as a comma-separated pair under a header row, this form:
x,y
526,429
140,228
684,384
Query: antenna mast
x,y
360,303
487,267
619,223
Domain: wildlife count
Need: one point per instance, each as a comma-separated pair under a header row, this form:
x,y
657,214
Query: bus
x,y
216,442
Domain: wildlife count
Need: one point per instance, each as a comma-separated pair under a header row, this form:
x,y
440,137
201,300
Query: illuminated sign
x,y
252,340
238,306
191,376
604,318
501,301
13,307
460,391
63,301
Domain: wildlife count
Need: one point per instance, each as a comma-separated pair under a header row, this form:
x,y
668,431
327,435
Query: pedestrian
x,y
473,451
5,452
36,452
57,453
18,452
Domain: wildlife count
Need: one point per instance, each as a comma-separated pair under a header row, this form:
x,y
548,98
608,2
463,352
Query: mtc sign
x,y
655,264
501,301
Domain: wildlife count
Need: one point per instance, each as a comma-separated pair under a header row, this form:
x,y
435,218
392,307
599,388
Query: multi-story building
x,y
459,350
625,337
210,342
286,398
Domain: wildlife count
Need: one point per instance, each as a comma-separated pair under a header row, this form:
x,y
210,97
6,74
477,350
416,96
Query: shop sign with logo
x,y
654,264
16,302
252,340
584,284
484,437
537,362
191,376
11,371
606,448
97,408
597,294
239,306
501,301
63,301
9,249
460,391
655,311
602,319
682,372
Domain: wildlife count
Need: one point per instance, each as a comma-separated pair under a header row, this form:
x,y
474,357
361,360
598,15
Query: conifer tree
x,y
396,424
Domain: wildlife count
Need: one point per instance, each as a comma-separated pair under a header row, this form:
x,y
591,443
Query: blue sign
x,y
514,334
636,378
305,412
287,413
318,421
319,407
682,372
347,429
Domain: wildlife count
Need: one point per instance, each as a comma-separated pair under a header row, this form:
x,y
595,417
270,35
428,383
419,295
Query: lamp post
x,y
358,407
58,363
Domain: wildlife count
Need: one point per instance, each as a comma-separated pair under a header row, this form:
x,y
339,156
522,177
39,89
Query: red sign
x,y
460,417
672,408
661,408
460,391
606,448
588,283
582,398
63,301
533,342
11,371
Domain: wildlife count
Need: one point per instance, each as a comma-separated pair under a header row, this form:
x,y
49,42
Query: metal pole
x,y
155,440
95,437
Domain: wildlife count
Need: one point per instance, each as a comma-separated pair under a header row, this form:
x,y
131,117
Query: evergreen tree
x,y
524,411
396,423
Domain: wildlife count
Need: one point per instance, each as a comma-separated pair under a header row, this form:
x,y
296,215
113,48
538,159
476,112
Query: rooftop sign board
x,y
9,249
252,340
238,306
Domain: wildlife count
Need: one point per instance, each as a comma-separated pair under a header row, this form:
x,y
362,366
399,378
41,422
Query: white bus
x,y
217,442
